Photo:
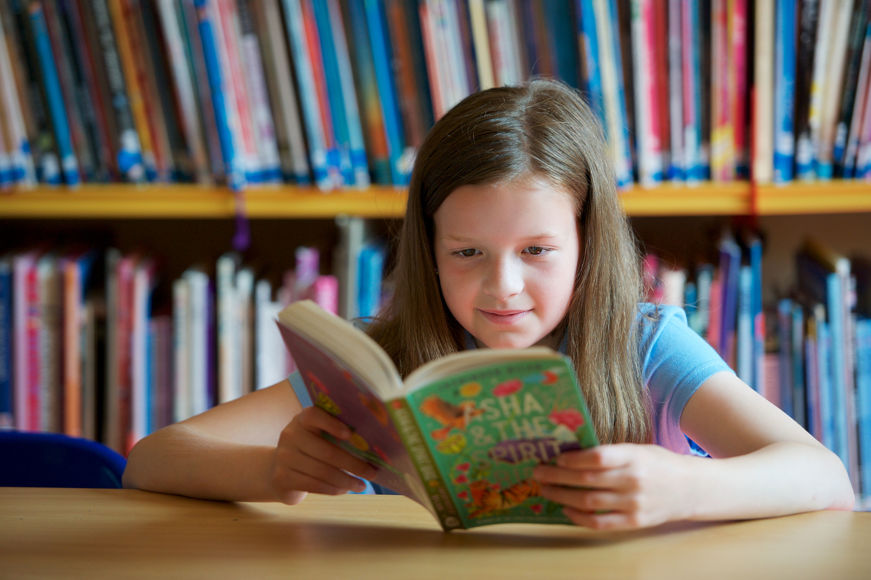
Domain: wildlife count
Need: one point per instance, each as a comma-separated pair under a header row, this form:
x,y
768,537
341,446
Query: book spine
x,y
862,95
233,165
182,80
237,90
822,56
68,163
133,84
481,41
236,97
430,478
92,95
261,112
310,106
336,97
335,158
738,86
7,318
400,166
763,94
852,76
615,97
834,85
784,91
677,158
70,88
72,347
863,403
285,103
21,157
129,160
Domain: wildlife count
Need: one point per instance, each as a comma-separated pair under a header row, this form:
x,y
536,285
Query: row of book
x,y
99,344
808,351
342,92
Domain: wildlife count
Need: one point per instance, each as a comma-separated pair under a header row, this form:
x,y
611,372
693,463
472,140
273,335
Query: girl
x,y
514,236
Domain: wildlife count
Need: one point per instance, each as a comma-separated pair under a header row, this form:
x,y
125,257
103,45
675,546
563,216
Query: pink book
x,y
738,84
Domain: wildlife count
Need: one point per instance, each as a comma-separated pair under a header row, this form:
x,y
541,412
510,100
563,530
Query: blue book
x,y
51,82
797,371
340,89
784,89
754,251
6,356
784,356
370,277
863,403
232,160
563,40
383,63
826,425
590,38
744,329
730,263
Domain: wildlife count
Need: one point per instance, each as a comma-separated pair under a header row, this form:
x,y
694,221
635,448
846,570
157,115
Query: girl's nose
x,y
504,278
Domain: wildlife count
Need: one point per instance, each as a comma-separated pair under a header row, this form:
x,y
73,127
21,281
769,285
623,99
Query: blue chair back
x,y
55,460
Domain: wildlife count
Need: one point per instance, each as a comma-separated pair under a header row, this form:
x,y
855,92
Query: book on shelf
x,y
461,434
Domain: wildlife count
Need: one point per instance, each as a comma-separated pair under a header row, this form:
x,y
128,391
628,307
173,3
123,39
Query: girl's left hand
x,y
617,487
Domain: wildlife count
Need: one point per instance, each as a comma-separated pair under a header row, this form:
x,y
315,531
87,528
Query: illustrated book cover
x,y
461,434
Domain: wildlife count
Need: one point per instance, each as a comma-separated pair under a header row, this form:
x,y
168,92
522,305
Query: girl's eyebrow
x,y
547,235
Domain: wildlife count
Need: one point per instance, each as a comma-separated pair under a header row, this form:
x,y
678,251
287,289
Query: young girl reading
x,y
514,236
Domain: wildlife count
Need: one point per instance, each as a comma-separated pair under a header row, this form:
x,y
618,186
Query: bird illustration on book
x,y
449,415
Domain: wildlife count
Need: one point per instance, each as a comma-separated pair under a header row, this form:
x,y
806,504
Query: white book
x,y
182,405
825,25
271,359
763,161
229,355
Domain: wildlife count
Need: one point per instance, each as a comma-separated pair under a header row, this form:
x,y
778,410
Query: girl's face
x,y
507,255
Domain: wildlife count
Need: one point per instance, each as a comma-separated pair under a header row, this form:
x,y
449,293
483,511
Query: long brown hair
x,y
542,129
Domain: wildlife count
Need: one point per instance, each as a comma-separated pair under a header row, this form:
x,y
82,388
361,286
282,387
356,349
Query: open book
x,y
460,434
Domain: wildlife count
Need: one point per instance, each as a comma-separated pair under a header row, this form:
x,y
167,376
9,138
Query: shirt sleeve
x,y
675,362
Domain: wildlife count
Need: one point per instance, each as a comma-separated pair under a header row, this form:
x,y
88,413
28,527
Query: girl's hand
x,y
617,487
304,461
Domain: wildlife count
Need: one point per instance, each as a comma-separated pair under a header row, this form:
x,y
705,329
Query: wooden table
x,y
80,533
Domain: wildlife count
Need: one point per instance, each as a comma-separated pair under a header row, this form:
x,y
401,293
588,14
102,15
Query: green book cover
x,y
461,434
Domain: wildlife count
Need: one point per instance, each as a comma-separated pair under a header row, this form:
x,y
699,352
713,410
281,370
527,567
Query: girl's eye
x,y
466,253
536,250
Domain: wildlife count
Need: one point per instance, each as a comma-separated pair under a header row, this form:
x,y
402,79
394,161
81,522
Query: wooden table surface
x,y
82,533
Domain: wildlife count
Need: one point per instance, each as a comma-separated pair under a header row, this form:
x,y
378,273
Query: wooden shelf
x,y
193,201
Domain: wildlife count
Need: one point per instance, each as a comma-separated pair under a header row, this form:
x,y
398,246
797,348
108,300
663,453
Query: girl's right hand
x,y
305,461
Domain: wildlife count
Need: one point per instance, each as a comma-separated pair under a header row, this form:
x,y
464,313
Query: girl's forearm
x,y
180,460
779,479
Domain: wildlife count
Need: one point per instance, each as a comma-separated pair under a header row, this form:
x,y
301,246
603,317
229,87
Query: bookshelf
x,y
113,201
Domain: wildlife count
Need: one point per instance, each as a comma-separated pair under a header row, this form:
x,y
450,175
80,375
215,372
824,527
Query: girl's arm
x,y
765,465
262,446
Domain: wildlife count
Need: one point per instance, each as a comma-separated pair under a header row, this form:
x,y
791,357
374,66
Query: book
x,y
461,434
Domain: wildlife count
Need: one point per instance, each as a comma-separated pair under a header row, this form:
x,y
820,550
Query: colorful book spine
x,y
692,92
340,91
235,173
738,84
183,86
261,110
784,90
648,144
852,78
677,158
310,105
241,124
23,171
384,78
285,106
863,403
7,381
762,137
863,93
68,163
129,159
